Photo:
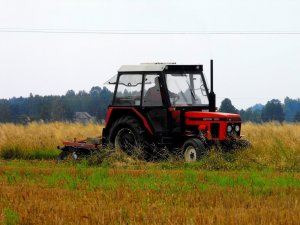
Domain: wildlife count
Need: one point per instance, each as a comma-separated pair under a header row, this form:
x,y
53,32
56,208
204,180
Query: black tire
x,y
127,134
193,150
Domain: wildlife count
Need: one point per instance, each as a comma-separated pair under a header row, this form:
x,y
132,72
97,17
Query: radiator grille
x,y
214,130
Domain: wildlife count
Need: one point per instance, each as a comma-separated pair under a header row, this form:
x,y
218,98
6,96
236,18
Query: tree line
x,y
62,108
274,110
56,108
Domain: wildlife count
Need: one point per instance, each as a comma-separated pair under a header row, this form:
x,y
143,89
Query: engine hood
x,y
194,115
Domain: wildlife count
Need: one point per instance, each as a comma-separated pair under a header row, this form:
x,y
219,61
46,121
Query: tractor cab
x,y
168,105
160,85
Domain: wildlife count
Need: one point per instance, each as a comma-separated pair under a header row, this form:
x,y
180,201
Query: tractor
x,y
163,105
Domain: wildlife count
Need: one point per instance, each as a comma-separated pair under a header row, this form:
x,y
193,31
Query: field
x,y
260,185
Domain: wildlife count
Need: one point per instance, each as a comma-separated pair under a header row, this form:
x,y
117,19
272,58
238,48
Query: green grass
x,y
100,179
61,179
12,177
79,177
10,217
15,152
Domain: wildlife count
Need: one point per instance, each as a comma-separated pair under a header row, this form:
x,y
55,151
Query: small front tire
x,y
193,150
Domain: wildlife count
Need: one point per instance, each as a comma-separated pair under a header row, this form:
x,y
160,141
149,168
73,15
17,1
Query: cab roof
x,y
160,67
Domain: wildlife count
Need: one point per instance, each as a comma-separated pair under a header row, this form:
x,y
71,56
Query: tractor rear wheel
x,y
193,150
127,134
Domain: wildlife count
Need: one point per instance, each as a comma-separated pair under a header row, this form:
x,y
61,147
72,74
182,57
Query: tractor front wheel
x,y
193,150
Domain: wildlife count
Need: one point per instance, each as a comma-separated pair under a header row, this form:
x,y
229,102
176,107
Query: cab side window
x,y
152,95
129,90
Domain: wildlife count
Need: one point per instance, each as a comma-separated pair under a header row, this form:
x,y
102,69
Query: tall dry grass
x,y
41,138
274,145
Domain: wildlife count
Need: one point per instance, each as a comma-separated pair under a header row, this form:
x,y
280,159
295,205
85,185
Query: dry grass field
x,y
275,146
260,185
50,193
39,140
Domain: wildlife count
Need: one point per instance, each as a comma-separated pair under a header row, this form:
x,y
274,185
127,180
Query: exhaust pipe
x,y
211,75
212,96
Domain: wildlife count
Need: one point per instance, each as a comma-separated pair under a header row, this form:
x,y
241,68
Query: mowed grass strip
x,y
76,178
36,205
68,195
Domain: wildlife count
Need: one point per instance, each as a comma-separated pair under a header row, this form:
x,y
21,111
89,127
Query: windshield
x,y
186,90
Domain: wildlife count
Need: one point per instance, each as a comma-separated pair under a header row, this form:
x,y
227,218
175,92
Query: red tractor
x,y
168,106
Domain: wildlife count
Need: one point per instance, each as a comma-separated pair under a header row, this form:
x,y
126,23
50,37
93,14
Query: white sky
x,y
249,69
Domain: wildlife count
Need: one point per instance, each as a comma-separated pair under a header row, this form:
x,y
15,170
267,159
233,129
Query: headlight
x,y
229,129
237,128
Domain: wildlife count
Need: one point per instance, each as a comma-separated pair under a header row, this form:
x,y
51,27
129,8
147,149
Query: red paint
x,y
192,118
206,118
193,114
109,111
145,122
176,115
202,127
82,145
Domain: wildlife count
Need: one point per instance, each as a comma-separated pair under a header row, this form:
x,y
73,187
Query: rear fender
x,y
115,113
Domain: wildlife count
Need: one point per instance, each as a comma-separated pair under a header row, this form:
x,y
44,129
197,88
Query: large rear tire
x,y
127,134
193,150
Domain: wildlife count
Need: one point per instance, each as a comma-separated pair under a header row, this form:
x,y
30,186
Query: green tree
x,y
226,106
70,93
250,115
5,111
256,116
297,117
95,91
291,106
273,111
55,108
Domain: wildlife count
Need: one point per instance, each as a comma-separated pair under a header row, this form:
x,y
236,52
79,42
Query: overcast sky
x,y
249,68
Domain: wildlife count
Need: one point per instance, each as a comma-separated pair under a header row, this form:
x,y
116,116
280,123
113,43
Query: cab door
x,y
152,104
